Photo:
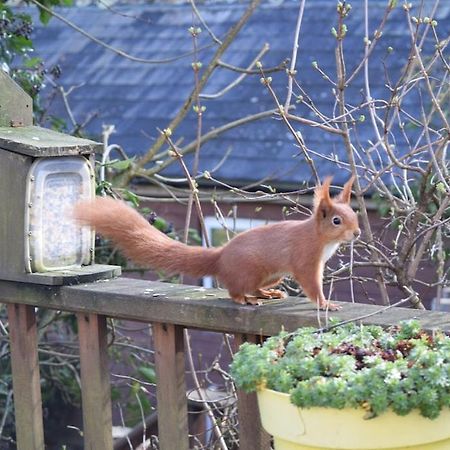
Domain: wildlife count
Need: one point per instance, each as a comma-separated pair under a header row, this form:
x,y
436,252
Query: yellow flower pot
x,y
326,428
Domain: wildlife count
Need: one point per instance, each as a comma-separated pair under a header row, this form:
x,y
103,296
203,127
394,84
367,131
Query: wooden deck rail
x,y
169,308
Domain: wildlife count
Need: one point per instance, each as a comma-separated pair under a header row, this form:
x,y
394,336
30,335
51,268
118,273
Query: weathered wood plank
x,y
12,225
40,142
26,380
96,390
168,342
195,307
16,106
251,433
84,274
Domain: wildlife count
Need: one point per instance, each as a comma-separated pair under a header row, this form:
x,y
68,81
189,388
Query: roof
x,y
141,98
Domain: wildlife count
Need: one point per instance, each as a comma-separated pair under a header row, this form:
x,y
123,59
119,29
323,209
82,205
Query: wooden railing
x,y
169,308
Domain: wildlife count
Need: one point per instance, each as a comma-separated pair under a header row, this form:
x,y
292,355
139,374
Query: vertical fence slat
x,y
171,386
96,390
25,374
251,432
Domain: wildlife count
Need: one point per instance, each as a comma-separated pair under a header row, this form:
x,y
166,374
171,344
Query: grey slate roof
x,y
139,98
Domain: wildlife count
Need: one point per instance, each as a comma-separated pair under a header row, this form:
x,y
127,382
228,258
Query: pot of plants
x,y
353,387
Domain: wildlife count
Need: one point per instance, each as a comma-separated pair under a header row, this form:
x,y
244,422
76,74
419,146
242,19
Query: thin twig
x,y
232,33
192,184
189,148
267,70
240,78
292,68
205,25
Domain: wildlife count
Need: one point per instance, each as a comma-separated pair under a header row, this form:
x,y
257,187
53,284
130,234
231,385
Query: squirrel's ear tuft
x,y
344,196
322,199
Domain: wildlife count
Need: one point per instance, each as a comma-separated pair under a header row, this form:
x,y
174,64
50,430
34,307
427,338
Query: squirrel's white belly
x,y
329,250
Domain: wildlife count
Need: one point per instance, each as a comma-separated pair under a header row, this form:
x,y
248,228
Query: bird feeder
x,y
42,175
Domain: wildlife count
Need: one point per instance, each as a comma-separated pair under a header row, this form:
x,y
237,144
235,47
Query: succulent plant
x,y
402,368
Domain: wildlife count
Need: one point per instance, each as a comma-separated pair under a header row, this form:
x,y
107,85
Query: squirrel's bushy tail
x,y
142,242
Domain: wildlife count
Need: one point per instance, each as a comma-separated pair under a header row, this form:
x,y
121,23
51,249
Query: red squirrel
x,y
249,264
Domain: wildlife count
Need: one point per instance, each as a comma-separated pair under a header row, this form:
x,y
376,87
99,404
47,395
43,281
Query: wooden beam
x,y
195,307
169,307
25,375
168,342
251,433
95,382
16,106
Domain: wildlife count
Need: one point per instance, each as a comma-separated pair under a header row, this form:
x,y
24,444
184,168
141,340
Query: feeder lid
x,y
42,142
18,135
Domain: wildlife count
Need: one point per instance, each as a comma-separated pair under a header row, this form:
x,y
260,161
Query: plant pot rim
x,y
346,428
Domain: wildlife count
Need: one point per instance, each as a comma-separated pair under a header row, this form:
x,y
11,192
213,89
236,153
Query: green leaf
x,y
5,10
148,373
115,394
131,197
32,62
120,164
44,16
20,44
103,186
194,236
160,224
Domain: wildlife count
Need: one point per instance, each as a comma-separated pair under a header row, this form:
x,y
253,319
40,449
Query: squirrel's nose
x,y
357,233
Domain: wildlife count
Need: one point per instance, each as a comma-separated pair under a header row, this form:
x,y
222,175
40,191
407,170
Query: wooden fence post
x,y
25,375
173,430
96,389
251,433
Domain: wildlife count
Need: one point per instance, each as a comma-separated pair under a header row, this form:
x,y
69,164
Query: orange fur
x,y
142,242
252,261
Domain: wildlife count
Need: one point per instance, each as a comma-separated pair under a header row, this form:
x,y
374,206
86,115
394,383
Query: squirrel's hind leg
x,y
267,291
256,297
251,288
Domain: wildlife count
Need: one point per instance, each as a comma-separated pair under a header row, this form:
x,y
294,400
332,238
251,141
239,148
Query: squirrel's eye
x,y
337,220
